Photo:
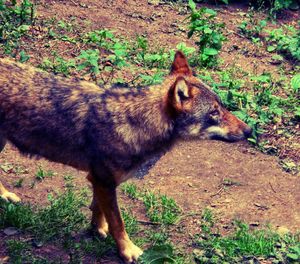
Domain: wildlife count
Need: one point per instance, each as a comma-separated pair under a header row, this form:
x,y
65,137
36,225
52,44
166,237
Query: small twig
x,y
74,3
148,223
272,187
218,192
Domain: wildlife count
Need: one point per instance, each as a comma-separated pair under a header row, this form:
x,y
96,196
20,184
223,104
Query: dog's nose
x,y
247,132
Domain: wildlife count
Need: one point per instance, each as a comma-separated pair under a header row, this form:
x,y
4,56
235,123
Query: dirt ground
x,y
235,180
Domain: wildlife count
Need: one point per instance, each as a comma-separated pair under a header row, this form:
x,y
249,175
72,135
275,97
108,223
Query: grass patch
x,y
243,244
160,208
41,174
62,217
21,252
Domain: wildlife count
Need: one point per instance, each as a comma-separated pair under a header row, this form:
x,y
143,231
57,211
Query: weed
x,y
20,252
19,183
14,23
59,219
102,38
285,40
16,215
274,5
157,238
41,174
203,25
156,78
164,253
243,242
160,208
130,222
130,189
58,65
252,29
97,246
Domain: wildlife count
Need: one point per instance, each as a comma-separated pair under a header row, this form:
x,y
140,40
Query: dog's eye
x,y
214,117
214,114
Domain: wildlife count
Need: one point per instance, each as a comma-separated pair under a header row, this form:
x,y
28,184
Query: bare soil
x,y
235,180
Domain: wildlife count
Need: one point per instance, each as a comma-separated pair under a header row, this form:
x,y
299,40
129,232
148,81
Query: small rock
x,y
10,231
254,224
37,244
282,230
198,252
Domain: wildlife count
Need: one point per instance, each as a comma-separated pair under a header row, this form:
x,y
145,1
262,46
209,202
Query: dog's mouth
x,y
228,138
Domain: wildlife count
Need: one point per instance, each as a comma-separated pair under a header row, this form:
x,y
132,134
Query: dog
x,y
107,132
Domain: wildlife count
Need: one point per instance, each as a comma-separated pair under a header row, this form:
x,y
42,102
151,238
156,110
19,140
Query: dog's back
x,y
76,122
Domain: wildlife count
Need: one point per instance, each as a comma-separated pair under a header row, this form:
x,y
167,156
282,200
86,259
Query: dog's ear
x,y
180,95
180,65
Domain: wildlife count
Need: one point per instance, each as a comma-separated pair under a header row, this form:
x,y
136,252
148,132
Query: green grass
x,y
21,252
62,217
41,174
160,208
242,244
15,20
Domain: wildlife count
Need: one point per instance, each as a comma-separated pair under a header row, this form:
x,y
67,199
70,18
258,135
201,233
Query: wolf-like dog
x,y
107,132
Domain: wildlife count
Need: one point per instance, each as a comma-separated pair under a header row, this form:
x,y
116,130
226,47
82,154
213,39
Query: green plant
x,y
158,254
18,250
156,78
41,174
88,61
209,32
21,252
252,29
160,208
285,40
58,64
243,242
19,183
59,219
15,20
130,189
274,6
295,83
102,38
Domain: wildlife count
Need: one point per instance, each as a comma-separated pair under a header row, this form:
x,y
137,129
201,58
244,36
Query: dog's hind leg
x,y
5,194
98,218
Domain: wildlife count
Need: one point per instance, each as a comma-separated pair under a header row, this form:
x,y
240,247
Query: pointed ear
x,y
179,95
180,65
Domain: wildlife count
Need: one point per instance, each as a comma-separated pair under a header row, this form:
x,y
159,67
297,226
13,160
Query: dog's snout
x,y
247,132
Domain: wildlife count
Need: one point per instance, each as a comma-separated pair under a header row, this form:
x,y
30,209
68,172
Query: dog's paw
x,y
130,252
9,196
103,230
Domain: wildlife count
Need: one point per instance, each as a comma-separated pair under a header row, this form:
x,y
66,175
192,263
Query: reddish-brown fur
x,y
107,132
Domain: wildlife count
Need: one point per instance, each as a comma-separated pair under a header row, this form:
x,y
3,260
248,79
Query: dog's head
x,y
197,110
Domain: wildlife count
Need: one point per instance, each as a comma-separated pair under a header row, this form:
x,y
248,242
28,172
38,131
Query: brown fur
x,y
107,132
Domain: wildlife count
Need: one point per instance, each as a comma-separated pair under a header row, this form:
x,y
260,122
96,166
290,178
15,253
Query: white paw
x,y
103,230
9,196
130,252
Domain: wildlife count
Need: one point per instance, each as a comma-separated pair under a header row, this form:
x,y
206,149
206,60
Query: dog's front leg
x,y
8,196
106,198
